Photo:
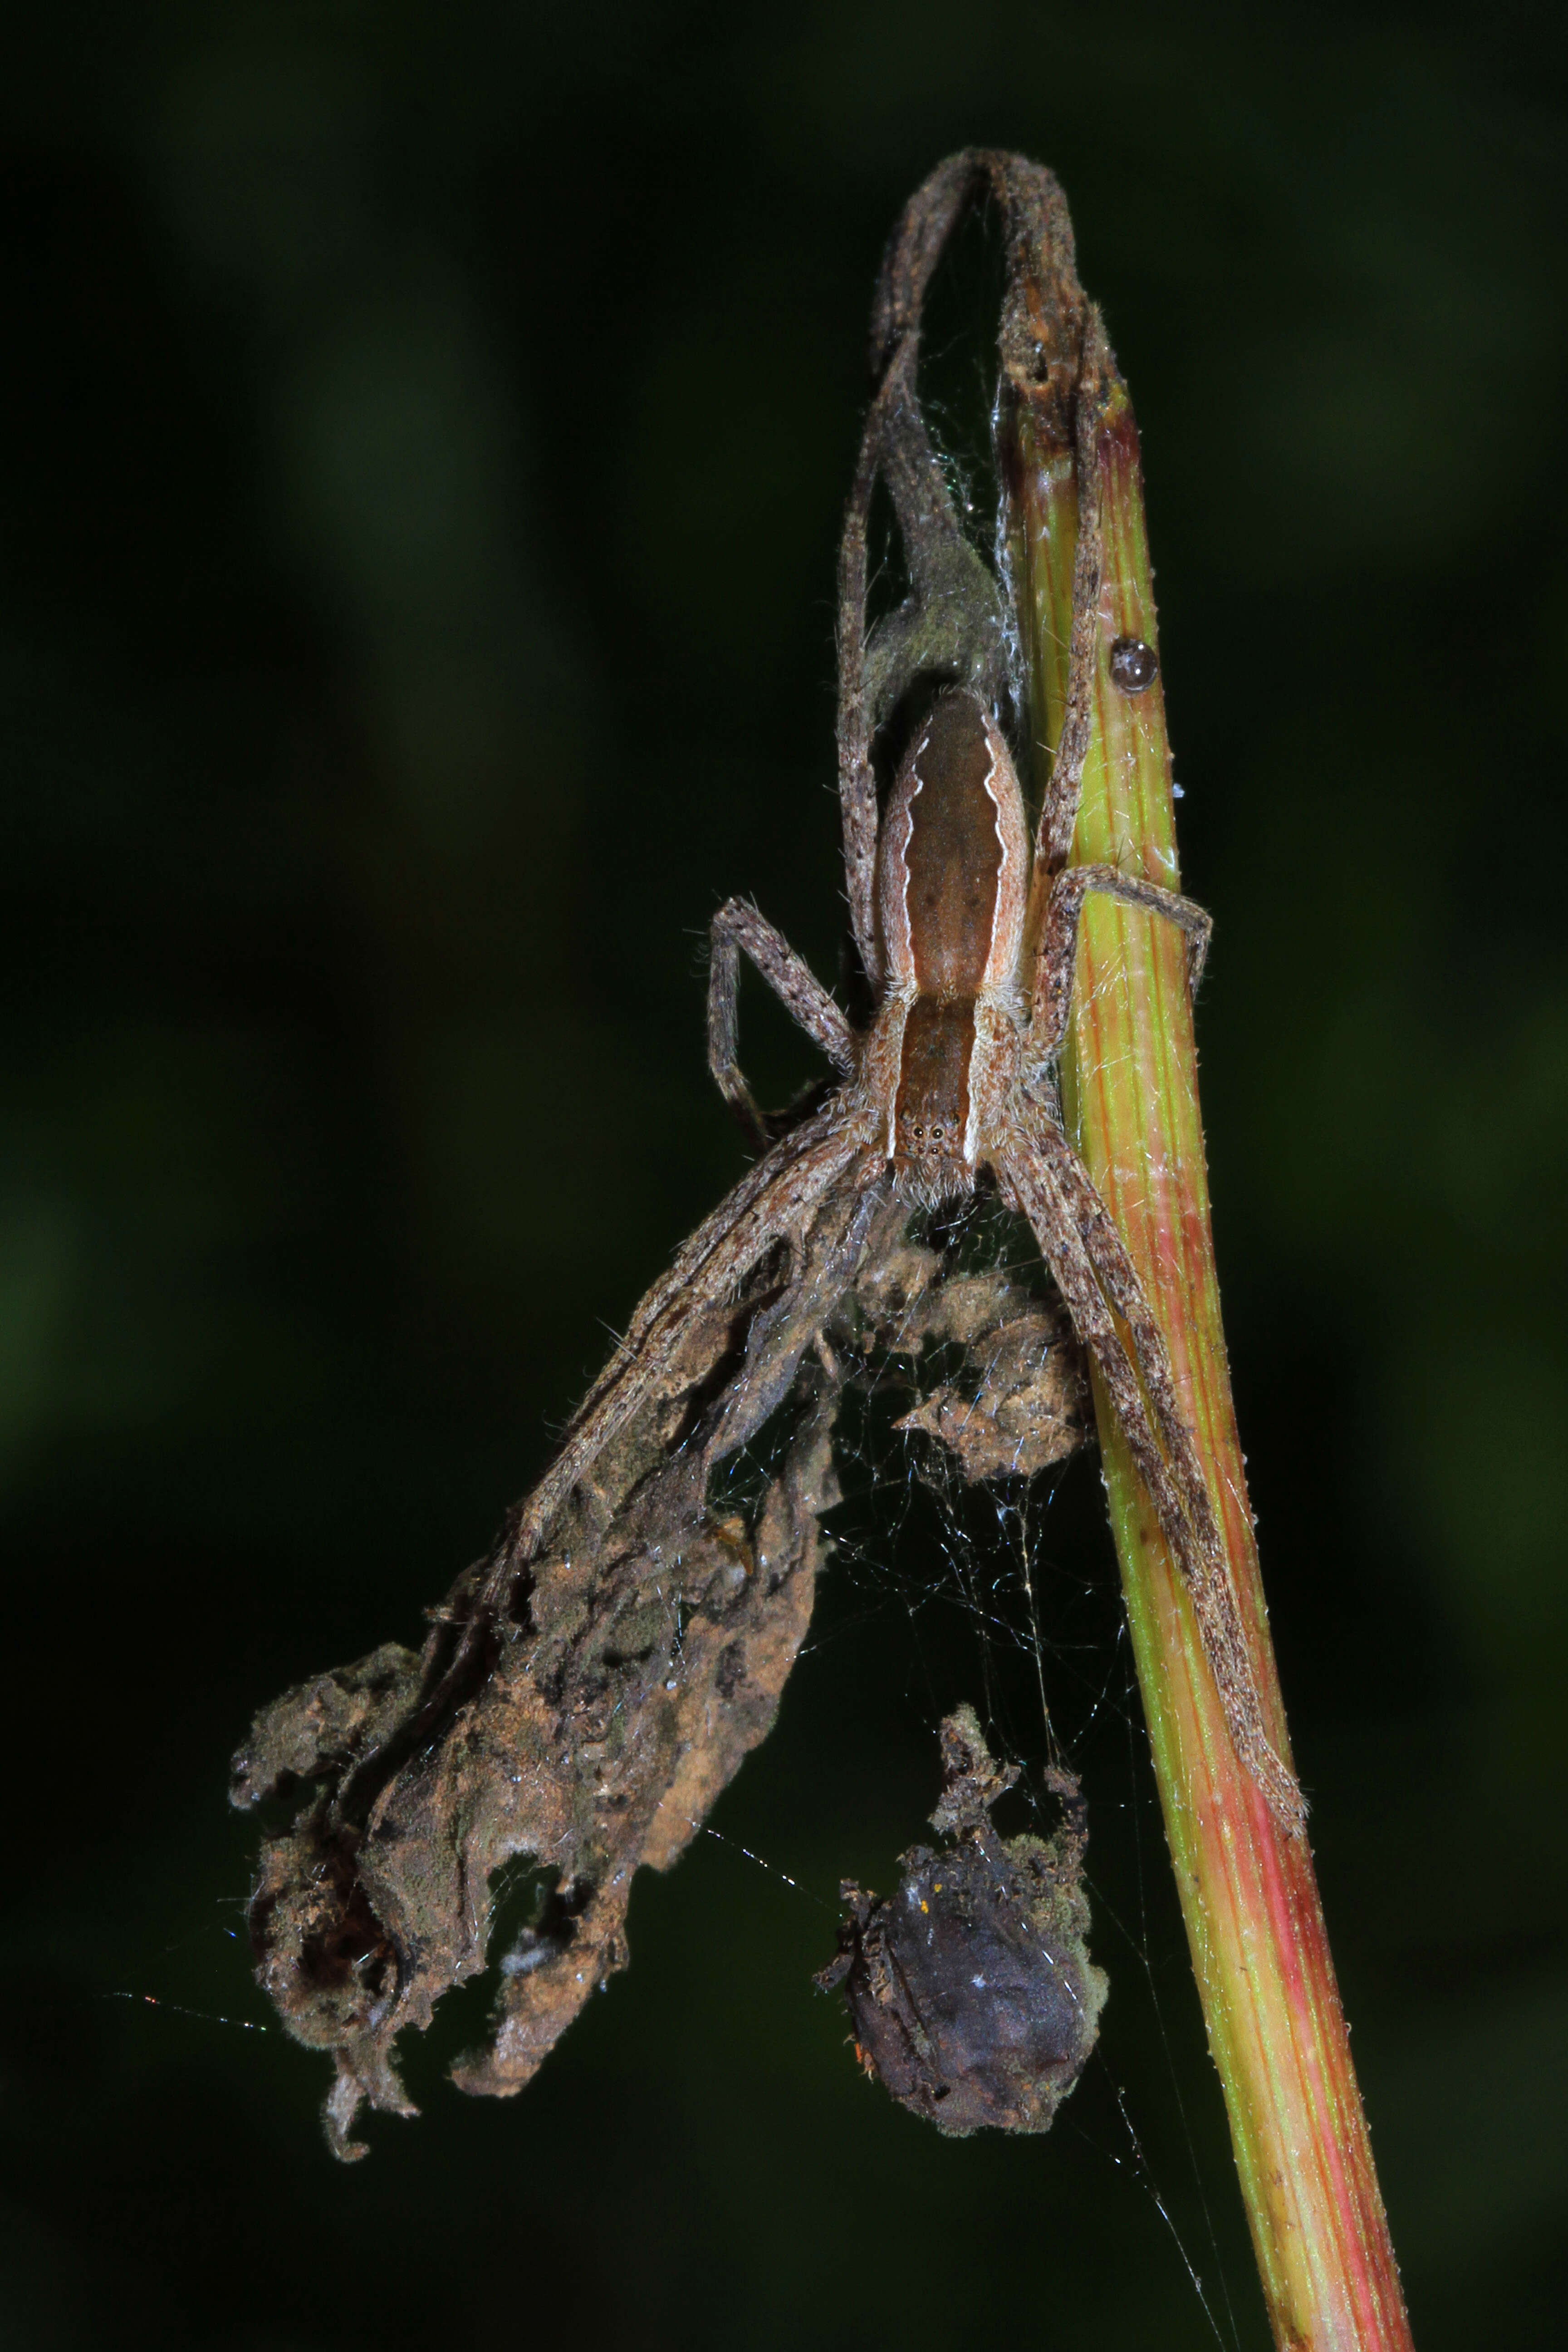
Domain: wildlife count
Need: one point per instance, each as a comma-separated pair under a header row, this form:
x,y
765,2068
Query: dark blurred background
x,y
424,438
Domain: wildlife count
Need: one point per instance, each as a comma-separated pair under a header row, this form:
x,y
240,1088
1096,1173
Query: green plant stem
x,y
1248,1892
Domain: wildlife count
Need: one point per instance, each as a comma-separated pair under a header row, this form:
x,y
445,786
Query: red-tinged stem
x,y
1250,1896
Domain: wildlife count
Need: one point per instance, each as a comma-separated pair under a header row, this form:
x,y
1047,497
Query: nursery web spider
x,y
589,1686
966,934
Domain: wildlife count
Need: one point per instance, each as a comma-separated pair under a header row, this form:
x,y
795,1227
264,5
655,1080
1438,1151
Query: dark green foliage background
x,y
425,430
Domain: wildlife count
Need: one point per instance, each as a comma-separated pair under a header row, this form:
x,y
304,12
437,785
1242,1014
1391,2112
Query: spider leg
x,y
859,1219
1059,808
953,619
773,1202
1058,943
856,777
952,622
739,929
1090,1262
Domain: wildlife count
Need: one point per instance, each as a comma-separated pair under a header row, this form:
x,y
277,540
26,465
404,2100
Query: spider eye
x,y
1134,665
936,1135
919,1130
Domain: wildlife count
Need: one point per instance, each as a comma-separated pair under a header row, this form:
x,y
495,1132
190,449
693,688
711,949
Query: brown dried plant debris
x,y
970,1990
591,1730
1018,1400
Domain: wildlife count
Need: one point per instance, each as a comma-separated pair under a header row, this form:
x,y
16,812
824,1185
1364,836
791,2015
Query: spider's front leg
x,y
739,929
1058,953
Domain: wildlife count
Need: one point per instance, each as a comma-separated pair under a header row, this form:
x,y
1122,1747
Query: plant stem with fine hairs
x,y
1250,1896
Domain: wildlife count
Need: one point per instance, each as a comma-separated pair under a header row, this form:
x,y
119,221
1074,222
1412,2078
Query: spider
x,y
967,935
954,1081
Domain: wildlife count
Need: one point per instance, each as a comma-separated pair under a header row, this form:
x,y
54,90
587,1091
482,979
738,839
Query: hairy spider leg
x,y
945,575
951,624
738,928
771,1202
1088,1261
859,1215
1058,944
935,630
856,780
1149,1411
1058,804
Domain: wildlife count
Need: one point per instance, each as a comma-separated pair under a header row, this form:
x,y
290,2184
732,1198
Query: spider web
x,y
1003,1592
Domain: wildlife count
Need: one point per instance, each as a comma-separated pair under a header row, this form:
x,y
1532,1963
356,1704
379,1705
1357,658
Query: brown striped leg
x,y
738,930
1058,806
1058,944
857,779
1093,1270
771,1204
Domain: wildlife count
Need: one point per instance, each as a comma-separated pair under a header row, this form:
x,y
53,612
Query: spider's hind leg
x,y
1094,1273
774,1200
739,929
